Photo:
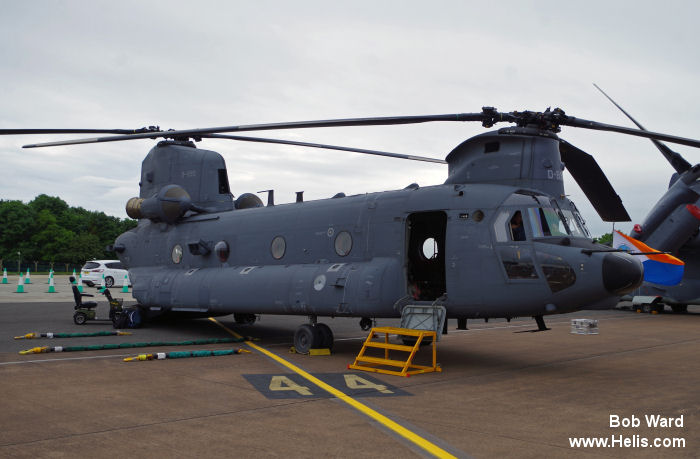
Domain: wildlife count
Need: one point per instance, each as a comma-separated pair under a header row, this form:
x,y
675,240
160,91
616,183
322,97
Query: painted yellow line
x,y
385,421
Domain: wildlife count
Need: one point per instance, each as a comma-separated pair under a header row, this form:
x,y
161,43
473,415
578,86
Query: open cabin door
x,y
425,267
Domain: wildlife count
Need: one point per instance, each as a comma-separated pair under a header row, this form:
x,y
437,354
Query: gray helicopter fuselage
x,y
366,255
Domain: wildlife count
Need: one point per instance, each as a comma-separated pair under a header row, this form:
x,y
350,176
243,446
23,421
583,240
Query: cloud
x,y
181,65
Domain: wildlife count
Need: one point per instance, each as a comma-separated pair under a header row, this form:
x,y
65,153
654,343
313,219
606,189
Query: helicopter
x,y
672,225
498,239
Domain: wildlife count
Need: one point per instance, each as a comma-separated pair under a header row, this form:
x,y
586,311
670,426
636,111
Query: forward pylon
x,y
125,287
28,279
80,282
4,276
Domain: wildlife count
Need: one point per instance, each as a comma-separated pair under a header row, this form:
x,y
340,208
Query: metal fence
x,y
39,266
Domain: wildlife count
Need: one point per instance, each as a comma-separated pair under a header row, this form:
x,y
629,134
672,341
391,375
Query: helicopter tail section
x,y
659,268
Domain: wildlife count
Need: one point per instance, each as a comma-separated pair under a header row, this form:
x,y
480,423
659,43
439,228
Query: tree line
x,y
47,229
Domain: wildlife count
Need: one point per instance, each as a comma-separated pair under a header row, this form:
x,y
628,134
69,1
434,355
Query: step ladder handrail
x,y
407,366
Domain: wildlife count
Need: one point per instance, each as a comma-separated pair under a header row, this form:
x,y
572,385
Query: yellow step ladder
x,y
375,364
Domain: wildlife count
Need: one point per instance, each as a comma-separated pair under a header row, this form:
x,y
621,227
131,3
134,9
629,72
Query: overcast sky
x,y
180,65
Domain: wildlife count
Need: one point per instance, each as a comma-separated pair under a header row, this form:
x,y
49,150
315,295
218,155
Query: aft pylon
x,y
20,284
125,287
80,283
28,279
4,276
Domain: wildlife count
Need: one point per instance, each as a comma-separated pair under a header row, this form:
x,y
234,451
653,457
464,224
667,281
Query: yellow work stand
x,y
375,364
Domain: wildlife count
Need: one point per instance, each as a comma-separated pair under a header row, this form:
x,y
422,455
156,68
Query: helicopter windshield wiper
x,y
325,146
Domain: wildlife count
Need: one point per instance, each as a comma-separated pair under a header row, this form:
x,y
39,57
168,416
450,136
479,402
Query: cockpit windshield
x,y
545,221
576,229
541,214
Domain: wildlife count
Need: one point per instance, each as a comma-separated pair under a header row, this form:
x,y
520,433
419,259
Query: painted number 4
x,y
352,382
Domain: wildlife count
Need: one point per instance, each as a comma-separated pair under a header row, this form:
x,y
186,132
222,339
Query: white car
x,y
112,270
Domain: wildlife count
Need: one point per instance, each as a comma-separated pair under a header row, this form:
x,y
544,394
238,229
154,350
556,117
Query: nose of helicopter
x,y
622,273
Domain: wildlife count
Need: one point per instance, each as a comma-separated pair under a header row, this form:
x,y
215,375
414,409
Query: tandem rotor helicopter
x,y
498,239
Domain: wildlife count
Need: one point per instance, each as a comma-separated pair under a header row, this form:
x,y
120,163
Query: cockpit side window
x,y
509,226
500,226
517,227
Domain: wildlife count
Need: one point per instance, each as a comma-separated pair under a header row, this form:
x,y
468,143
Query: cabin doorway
x,y
425,268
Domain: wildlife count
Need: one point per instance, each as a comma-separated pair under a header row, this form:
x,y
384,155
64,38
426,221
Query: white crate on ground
x,y
584,326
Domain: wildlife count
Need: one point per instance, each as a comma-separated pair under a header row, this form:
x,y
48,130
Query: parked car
x,y
112,270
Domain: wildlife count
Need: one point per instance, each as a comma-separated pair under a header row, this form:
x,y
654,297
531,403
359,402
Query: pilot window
x,y
517,229
509,226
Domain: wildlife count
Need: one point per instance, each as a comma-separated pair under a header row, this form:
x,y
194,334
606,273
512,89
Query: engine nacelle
x,y
169,204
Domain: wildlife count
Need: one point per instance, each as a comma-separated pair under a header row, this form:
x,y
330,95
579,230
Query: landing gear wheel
x,y
79,318
305,338
120,320
109,282
326,335
679,308
365,323
244,319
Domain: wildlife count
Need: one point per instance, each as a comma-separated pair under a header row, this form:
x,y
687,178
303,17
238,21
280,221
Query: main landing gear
x,y
540,323
313,336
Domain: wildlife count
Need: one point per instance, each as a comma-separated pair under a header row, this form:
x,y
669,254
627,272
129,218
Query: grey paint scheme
x,y
371,281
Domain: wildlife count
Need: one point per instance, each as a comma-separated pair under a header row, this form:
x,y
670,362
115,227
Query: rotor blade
x,y
195,133
71,131
676,160
550,120
329,147
595,185
587,124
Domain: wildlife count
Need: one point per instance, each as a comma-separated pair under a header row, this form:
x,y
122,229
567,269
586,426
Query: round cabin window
x,y
278,247
430,249
176,254
222,251
343,243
